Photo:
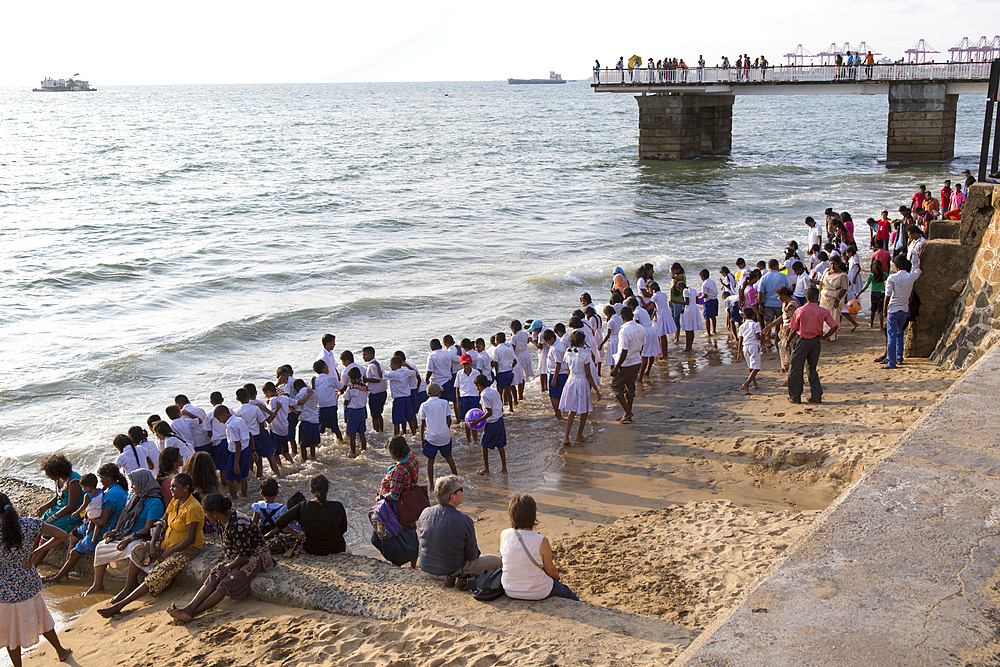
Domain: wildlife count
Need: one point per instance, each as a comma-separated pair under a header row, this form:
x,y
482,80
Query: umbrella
x,y
635,61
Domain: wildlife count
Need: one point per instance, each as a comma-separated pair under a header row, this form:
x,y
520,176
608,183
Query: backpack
x,y
488,586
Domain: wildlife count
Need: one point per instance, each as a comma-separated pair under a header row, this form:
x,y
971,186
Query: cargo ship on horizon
x,y
553,78
64,85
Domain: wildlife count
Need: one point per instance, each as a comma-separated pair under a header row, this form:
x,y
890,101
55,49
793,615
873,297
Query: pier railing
x,y
792,74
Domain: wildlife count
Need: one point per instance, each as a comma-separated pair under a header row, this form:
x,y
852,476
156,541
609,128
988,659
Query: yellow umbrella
x,y
635,61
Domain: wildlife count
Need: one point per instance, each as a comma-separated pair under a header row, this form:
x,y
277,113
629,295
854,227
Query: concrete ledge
x,y
902,568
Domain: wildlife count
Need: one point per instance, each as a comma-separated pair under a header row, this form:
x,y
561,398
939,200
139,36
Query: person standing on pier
x,y
869,65
597,71
701,68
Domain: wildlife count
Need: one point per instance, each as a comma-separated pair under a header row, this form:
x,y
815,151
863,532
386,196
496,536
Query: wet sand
x,y
669,518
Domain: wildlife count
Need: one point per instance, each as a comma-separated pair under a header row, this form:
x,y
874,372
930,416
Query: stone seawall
x,y
973,314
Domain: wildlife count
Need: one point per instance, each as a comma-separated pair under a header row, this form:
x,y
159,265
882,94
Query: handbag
x,y
411,503
488,585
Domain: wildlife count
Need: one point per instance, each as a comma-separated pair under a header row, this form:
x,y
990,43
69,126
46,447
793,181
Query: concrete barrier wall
x,y
973,319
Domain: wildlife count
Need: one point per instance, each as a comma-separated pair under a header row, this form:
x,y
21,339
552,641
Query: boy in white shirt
x,y
286,386
438,365
558,370
240,448
710,305
266,449
417,386
220,447
467,395
377,388
183,427
203,432
308,404
748,346
326,384
494,432
435,430
329,342
483,363
278,421
255,420
355,400
400,377
503,366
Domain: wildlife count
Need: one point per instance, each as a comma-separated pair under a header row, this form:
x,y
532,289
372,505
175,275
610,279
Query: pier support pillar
x,y
684,126
921,123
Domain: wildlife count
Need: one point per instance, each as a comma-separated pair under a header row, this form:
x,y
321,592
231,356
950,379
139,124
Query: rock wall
x,y
973,324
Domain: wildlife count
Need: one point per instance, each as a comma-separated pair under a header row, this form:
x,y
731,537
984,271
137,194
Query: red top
x,y
884,230
808,320
884,257
945,199
918,199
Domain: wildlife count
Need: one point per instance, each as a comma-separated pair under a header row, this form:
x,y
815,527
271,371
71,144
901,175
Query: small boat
x,y
553,78
64,85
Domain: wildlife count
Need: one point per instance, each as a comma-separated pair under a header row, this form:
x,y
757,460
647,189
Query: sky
x,y
112,42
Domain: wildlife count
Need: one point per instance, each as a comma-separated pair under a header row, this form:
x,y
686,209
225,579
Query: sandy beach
x,y
657,525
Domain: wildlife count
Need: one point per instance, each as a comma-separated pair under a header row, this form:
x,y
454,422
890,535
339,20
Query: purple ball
x,y
473,416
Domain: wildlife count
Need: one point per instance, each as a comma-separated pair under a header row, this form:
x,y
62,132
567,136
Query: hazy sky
x,y
213,41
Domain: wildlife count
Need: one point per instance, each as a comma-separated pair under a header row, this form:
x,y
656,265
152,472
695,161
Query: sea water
x,y
185,239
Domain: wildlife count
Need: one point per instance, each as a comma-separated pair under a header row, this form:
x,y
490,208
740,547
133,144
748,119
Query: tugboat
x,y
63,85
553,78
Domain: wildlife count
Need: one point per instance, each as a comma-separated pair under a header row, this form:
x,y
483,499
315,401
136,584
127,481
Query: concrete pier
x,y
921,123
683,126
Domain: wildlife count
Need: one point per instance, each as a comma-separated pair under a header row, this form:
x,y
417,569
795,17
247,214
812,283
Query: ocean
x,y
157,240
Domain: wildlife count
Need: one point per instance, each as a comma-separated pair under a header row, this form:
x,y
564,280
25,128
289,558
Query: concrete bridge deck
x,y
687,113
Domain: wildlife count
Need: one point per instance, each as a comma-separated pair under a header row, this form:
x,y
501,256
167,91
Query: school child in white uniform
x,y
558,372
418,389
277,423
355,401
327,386
467,395
494,432
400,378
503,365
664,325
240,448
748,346
377,388
435,430
535,333
710,303
576,398
484,363
439,366
611,337
523,370
652,343
265,443
308,404
220,448
691,320
255,420
203,433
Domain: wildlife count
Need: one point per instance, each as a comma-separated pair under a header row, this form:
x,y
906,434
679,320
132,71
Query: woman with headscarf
x,y
143,508
175,541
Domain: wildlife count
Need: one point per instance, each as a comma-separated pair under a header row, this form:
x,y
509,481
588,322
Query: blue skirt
x,y
402,548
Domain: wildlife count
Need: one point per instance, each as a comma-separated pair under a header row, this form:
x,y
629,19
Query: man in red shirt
x,y
946,196
808,322
919,197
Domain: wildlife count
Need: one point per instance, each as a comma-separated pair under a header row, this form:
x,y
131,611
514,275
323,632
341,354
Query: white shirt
x,y
399,381
237,431
802,283
344,380
503,357
374,372
642,318
127,462
466,384
326,386
484,364
203,433
252,415
217,428
640,286
631,338
748,332
490,399
614,326
355,398
308,411
187,429
898,288
521,579
186,450
439,366
815,236
709,290
455,353
729,280
328,357
557,356
913,254
434,411
279,406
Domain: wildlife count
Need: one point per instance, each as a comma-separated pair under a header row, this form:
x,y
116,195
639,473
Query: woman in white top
x,y
610,340
528,570
523,370
575,397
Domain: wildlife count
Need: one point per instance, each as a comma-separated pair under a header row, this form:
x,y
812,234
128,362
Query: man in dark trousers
x,y
808,322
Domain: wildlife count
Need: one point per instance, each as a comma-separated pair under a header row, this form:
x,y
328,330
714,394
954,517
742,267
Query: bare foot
x,y
503,471
108,612
51,579
580,441
854,328
755,386
179,614
483,471
93,591
65,654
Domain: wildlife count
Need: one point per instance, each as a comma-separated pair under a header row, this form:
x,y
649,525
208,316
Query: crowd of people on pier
x,y
151,505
